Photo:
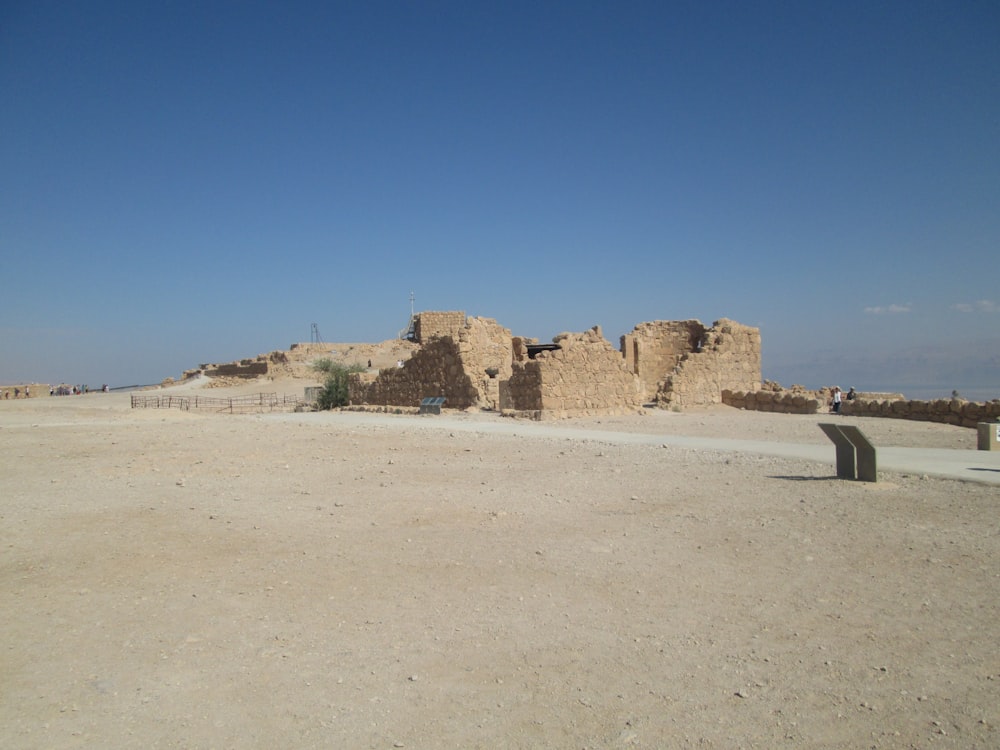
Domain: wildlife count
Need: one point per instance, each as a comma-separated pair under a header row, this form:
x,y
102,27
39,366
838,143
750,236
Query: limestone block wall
x,y
895,406
453,366
954,411
652,350
247,368
359,385
784,402
584,376
522,391
729,359
484,345
431,324
435,369
475,362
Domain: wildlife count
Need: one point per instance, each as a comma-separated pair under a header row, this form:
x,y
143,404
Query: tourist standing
x,y
836,399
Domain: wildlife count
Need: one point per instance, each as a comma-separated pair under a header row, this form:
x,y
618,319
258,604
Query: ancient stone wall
x,y
485,351
431,324
521,393
474,362
247,368
729,358
453,365
784,402
652,350
585,376
947,411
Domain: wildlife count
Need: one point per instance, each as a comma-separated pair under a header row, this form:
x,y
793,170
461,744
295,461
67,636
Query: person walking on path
x,y
836,399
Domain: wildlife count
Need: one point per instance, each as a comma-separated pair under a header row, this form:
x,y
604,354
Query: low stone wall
x,y
785,402
247,368
948,411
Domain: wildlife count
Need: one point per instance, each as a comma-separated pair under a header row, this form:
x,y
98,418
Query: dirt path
x,y
175,579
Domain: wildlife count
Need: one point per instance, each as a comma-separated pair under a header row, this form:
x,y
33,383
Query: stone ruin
x,y
799,400
462,359
683,363
297,362
582,374
476,363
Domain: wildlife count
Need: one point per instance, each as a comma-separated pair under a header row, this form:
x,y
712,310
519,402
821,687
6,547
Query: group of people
x,y
837,399
61,390
74,390
69,390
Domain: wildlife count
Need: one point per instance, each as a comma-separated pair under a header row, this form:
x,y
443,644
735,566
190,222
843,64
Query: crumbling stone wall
x,y
784,402
522,391
728,359
244,368
475,362
433,370
954,411
453,366
585,376
431,324
652,350
247,368
485,350
896,406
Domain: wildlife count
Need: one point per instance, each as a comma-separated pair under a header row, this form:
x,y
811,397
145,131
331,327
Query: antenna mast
x,y
410,331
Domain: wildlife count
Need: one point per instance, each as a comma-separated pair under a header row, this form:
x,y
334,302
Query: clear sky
x,y
191,182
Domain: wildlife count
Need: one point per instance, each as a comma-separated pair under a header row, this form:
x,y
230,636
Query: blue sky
x,y
192,182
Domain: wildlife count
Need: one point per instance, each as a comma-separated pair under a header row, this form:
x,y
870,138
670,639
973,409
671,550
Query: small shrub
x,y
325,365
335,391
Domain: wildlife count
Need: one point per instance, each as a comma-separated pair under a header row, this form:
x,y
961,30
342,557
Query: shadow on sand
x,y
803,479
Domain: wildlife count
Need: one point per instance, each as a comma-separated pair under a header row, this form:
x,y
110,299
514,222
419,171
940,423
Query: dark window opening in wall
x,y
533,349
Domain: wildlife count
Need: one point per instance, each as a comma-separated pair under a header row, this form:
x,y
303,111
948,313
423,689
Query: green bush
x,y
335,390
325,365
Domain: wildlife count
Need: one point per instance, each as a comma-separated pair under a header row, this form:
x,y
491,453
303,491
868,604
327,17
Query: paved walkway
x,y
968,465
972,466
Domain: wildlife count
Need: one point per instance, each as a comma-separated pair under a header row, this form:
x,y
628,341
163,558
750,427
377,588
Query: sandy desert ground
x,y
195,580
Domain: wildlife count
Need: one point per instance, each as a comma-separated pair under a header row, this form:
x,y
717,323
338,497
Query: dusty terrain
x,y
197,580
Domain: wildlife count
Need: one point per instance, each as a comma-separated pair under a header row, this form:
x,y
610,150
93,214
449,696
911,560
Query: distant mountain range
x,y
925,372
